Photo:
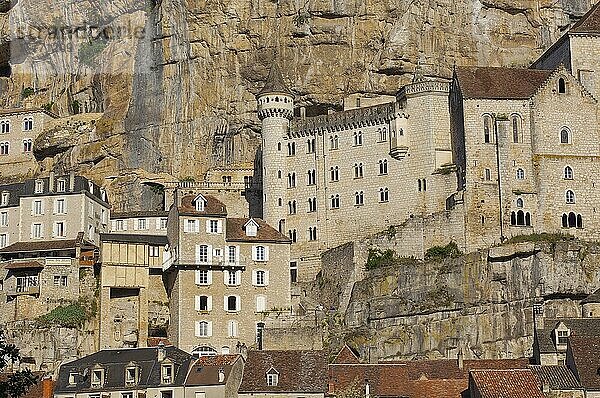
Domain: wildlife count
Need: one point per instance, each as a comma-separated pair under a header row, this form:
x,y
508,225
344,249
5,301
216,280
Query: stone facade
x,y
222,281
18,130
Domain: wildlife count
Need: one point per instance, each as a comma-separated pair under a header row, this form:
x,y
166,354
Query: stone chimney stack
x,y
51,182
221,375
303,112
161,352
367,389
71,181
460,359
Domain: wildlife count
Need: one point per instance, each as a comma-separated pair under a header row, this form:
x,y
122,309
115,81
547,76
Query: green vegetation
x,y
48,106
440,252
303,17
17,383
187,179
75,106
543,237
440,297
27,92
71,315
89,51
391,232
379,259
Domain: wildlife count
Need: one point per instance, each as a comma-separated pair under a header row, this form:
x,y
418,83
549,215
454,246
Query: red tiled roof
x,y
384,379
155,341
205,371
346,355
24,265
499,83
589,23
515,383
439,388
265,233
299,371
586,354
213,207
449,369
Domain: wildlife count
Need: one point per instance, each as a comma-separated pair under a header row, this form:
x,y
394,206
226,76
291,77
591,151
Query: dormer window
x,y
251,228
39,186
61,185
561,336
166,373
73,378
4,199
199,203
97,378
131,375
272,377
91,186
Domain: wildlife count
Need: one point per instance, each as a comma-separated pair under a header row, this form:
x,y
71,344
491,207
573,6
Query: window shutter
x,y
158,223
207,226
197,277
197,254
209,303
237,255
210,254
209,327
197,306
266,253
186,226
125,222
220,226
136,224
209,277
266,278
113,225
238,277
197,328
238,303
254,253
254,277
196,225
32,207
225,303
55,206
225,277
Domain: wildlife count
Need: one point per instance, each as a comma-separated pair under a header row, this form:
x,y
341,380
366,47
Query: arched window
x,y
572,220
312,177
384,195
565,135
513,218
202,329
383,167
419,184
28,123
4,126
562,86
568,173
310,145
359,198
487,129
424,185
520,203
565,221
520,174
570,196
520,218
279,146
358,138
527,219
4,148
383,134
312,233
333,142
358,170
335,201
279,202
335,173
278,173
516,128
312,205
579,221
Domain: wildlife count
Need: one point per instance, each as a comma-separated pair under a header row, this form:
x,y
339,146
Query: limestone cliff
x,y
175,79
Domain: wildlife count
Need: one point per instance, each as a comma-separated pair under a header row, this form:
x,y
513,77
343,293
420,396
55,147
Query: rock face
x,y
175,79
481,303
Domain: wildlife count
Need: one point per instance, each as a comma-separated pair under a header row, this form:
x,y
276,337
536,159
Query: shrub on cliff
x,y
72,315
441,252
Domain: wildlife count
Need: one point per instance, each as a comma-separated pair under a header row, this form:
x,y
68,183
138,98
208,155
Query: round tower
x,y
275,110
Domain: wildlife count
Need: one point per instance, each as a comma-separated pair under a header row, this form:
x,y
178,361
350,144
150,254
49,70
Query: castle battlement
x,y
344,120
429,86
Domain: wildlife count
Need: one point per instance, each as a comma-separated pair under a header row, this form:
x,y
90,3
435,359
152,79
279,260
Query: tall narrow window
x,y
516,129
335,201
359,198
358,138
312,177
333,142
312,233
570,197
488,174
28,123
358,170
27,145
565,136
562,86
568,173
487,129
310,145
383,167
519,202
4,148
312,205
4,127
335,173
382,134
520,174
384,195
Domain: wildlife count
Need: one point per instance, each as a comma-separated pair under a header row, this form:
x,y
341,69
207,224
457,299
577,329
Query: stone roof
x,y
557,377
589,23
24,265
514,383
299,371
39,246
15,111
205,371
213,207
578,327
157,240
115,361
265,233
585,351
274,83
138,214
449,368
592,298
499,83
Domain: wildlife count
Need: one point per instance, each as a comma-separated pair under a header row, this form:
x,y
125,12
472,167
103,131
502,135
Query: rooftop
x,y
557,377
213,206
578,327
514,383
585,351
156,240
265,233
274,83
205,371
589,23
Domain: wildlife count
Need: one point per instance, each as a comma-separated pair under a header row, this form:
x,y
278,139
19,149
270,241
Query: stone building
x,y
18,130
49,238
133,299
492,154
223,276
139,223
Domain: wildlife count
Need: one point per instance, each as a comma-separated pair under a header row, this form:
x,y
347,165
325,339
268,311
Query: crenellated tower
x,y
275,110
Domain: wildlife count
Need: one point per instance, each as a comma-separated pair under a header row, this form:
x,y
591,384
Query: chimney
x,y
303,112
47,387
161,352
460,359
221,375
367,389
51,182
71,181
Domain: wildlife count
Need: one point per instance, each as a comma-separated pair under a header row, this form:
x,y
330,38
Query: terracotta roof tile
x,y
515,383
213,207
346,355
265,233
205,371
557,377
449,369
499,83
384,379
136,214
24,265
589,23
299,371
439,388
586,354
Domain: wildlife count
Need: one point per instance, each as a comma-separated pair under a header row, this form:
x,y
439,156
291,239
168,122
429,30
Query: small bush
x,y
89,51
76,107
48,106
27,92
543,237
441,252
71,315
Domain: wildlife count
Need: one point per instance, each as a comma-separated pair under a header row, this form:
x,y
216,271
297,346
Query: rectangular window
x,y
4,219
36,230
154,251
202,254
4,199
3,240
562,337
213,226
120,225
142,224
59,229
126,395
231,254
167,374
191,226
97,378
37,207
162,223
203,277
39,186
61,185
60,280
259,253
487,174
59,206
260,278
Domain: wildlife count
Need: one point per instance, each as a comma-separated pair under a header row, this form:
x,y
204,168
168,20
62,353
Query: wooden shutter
x,y
207,226
209,303
197,305
220,226
197,329
254,256
209,328
197,277
186,225
210,254
209,278
266,278
238,277
237,255
266,253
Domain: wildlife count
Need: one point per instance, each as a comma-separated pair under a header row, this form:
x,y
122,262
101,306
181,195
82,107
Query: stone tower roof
x,y
275,83
589,23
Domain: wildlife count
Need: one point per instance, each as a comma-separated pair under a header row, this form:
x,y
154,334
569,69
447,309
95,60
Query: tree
x,y
15,384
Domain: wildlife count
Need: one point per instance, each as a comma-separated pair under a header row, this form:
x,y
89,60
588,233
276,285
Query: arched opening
x,y
562,86
579,221
520,218
527,219
565,221
572,220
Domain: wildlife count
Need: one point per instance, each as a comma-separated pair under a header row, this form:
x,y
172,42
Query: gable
x,y
573,87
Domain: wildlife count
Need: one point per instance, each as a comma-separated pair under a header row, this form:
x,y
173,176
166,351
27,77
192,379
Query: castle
x,y
492,153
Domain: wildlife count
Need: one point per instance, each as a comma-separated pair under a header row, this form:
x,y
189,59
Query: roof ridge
x,y
579,27
275,82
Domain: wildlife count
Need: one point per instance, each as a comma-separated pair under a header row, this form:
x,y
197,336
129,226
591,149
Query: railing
x,y
21,290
